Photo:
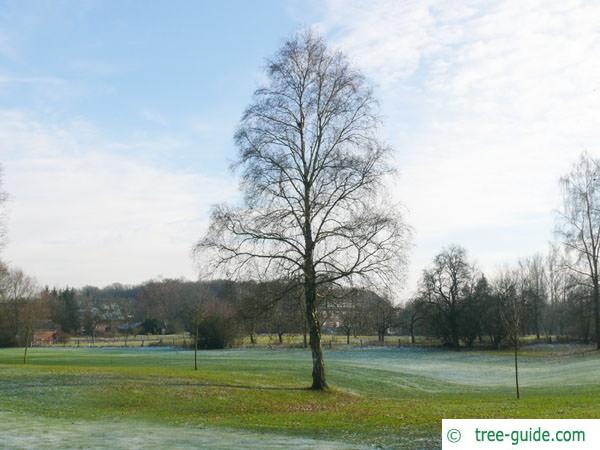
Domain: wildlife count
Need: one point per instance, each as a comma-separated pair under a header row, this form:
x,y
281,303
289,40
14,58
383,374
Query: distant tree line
x,y
217,312
455,303
461,306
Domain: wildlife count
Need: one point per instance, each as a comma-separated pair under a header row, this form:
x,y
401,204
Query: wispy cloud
x,y
80,213
488,104
48,82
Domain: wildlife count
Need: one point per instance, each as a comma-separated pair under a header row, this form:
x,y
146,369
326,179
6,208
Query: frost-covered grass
x,y
33,432
392,397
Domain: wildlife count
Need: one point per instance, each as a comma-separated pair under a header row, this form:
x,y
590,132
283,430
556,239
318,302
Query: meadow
x,y
391,397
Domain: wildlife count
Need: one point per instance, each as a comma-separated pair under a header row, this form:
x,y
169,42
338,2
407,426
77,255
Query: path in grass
x,y
381,397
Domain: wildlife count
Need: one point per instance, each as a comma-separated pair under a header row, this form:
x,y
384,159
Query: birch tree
x,y
3,198
313,173
579,226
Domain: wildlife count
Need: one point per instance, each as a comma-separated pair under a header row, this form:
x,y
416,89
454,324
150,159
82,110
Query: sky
x,y
116,121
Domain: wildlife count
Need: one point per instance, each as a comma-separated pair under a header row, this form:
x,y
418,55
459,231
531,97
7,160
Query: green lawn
x,y
388,397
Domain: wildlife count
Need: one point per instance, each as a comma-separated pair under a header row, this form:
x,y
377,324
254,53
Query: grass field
x,y
253,398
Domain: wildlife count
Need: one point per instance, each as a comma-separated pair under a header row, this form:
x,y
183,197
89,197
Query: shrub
x,y
218,329
151,326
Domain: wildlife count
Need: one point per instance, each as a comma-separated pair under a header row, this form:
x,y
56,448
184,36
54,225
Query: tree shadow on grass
x,y
146,383
235,386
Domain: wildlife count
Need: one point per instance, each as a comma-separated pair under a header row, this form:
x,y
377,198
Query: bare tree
x,y
579,225
35,312
249,311
491,321
351,311
18,288
511,313
91,318
194,300
313,172
383,315
17,295
283,315
577,307
3,198
534,279
4,273
445,286
556,287
413,312
197,316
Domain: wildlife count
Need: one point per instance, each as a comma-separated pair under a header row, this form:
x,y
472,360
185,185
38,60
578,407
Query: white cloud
x,y
41,88
488,104
79,214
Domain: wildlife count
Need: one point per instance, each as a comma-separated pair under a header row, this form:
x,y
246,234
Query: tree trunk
x,y
305,335
17,325
252,341
536,312
318,372
280,337
596,299
517,368
26,346
452,326
348,338
494,342
310,295
196,349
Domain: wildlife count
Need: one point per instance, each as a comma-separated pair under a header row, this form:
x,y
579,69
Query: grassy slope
x,y
386,396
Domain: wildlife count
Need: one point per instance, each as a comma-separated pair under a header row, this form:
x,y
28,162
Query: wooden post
x,y
517,370
196,347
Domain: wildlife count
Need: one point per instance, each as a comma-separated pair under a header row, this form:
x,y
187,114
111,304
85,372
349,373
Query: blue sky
x,y
116,121
137,68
